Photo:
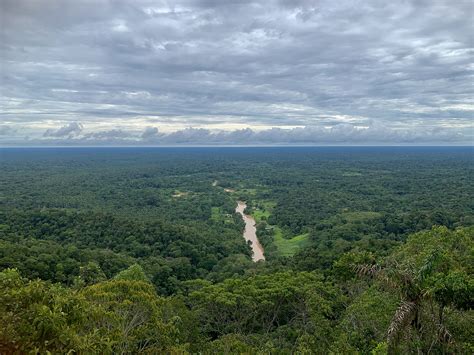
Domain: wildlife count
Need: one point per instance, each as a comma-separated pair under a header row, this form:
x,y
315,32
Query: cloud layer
x,y
217,72
341,134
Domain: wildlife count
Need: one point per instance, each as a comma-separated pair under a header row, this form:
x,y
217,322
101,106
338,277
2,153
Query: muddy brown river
x,y
250,232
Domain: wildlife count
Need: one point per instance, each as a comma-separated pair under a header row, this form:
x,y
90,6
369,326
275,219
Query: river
x,y
250,232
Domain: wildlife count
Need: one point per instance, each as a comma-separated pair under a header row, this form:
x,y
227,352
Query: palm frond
x,y
375,271
429,264
370,270
401,319
444,336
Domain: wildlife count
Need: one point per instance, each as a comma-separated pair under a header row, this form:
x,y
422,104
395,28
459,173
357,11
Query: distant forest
x,y
139,250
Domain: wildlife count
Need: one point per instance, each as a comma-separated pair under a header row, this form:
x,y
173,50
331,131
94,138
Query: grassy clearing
x,y
288,247
259,214
285,247
263,210
217,215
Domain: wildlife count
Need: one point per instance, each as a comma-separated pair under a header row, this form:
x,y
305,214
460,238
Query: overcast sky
x,y
236,72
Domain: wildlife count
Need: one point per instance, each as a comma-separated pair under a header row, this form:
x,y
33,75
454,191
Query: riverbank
x,y
250,232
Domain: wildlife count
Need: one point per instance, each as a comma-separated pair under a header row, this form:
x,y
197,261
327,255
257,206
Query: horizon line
x,y
244,146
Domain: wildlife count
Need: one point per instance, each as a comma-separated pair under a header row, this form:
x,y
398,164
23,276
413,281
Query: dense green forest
x,y
131,250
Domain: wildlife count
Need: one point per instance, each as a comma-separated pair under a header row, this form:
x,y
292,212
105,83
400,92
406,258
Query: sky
x,y
142,72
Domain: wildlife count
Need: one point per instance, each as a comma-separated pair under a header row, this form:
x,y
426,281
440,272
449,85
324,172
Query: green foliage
x,y
140,251
365,322
40,317
131,315
282,306
432,273
133,273
116,316
54,245
441,261
230,344
289,246
90,274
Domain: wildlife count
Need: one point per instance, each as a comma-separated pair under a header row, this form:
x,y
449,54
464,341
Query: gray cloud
x,y
121,66
150,132
6,130
70,129
341,134
108,135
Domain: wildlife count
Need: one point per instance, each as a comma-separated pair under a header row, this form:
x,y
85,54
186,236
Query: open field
x,y
288,247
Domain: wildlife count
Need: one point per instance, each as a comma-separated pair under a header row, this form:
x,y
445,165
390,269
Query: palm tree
x,y
416,314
